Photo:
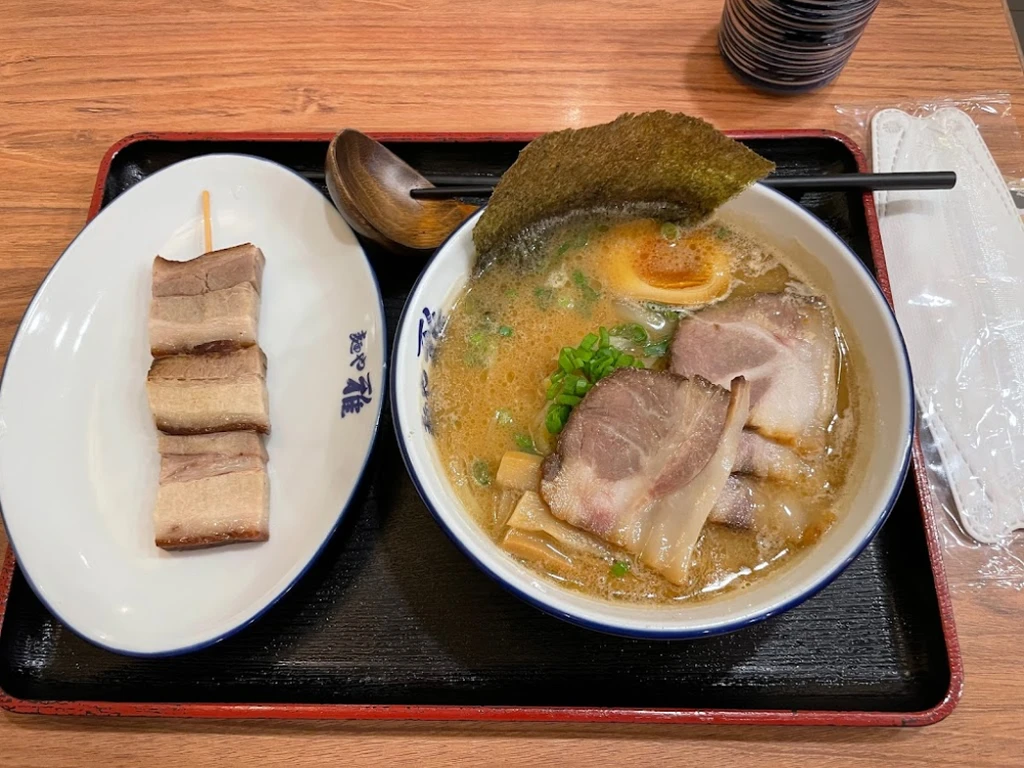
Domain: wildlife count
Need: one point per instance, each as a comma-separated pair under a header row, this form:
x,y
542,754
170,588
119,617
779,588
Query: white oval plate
x,y
78,455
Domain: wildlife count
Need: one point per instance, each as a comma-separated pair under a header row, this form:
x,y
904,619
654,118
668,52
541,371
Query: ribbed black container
x,y
791,46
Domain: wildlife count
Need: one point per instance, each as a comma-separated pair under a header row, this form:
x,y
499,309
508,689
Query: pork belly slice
x,y
213,392
772,509
212,271
784,345
213,490
756,457
642,460
209,499
735,505
207,322
224,443
761,457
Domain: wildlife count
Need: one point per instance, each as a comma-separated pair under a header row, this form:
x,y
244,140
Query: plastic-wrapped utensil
x,y
956,268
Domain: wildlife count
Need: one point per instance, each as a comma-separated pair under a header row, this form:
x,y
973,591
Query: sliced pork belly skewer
x,y
213,490
207,304
214,392
208,322
212,271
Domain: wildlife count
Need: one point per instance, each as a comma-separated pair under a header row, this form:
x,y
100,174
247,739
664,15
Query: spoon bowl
x,y
370,186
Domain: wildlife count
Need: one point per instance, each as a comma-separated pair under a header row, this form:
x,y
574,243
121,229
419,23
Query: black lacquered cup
x,y
791,46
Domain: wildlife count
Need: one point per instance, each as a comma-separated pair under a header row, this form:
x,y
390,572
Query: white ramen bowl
x,y
870,328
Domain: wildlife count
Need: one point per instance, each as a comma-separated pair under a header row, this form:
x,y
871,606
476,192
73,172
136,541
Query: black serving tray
x,y
392,621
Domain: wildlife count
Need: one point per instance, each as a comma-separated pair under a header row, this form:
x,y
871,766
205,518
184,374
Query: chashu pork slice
x,y
770,508
206,322
761,457
756,458
213,490
212,271
784,345
735,505
642,460
213,392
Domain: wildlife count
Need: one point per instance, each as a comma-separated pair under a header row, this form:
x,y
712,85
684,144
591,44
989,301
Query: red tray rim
x,y
526,713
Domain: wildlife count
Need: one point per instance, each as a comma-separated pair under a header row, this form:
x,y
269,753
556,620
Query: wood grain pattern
x,y
77,75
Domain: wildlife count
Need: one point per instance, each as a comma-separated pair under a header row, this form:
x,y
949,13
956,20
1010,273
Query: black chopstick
x,y
868,182
482,186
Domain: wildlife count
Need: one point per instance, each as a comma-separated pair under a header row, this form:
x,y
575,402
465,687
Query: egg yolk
x,y
651,261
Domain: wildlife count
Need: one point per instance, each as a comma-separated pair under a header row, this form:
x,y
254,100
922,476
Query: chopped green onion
x,y
556,418
477,337
620,568
503,417
722,232
565,302
656,349
481,472
632,331
525,443
602,227
563,248
580,368
565,361
505,331
589,294
669,231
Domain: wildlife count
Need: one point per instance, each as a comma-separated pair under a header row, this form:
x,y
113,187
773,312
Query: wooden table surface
x,y
76,75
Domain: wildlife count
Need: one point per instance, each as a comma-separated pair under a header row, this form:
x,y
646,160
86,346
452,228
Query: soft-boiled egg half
x,y
649,260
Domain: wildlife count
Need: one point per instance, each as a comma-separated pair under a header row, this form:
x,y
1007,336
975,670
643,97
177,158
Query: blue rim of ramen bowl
x,y
803,595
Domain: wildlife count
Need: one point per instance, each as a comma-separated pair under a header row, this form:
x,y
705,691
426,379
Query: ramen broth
x,y
501,342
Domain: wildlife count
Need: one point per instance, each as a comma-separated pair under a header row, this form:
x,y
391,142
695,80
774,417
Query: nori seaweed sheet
x,y
668,165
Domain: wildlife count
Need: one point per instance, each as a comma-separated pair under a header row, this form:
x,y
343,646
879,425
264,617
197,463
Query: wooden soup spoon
x,y
371,187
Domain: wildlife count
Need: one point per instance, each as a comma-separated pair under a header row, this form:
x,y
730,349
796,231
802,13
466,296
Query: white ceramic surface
x,y
868,324
78,456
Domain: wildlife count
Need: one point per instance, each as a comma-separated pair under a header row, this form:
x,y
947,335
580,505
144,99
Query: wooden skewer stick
x,y
207,225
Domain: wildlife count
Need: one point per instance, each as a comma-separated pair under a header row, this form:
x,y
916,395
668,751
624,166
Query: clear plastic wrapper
x,y
991,113
956,268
